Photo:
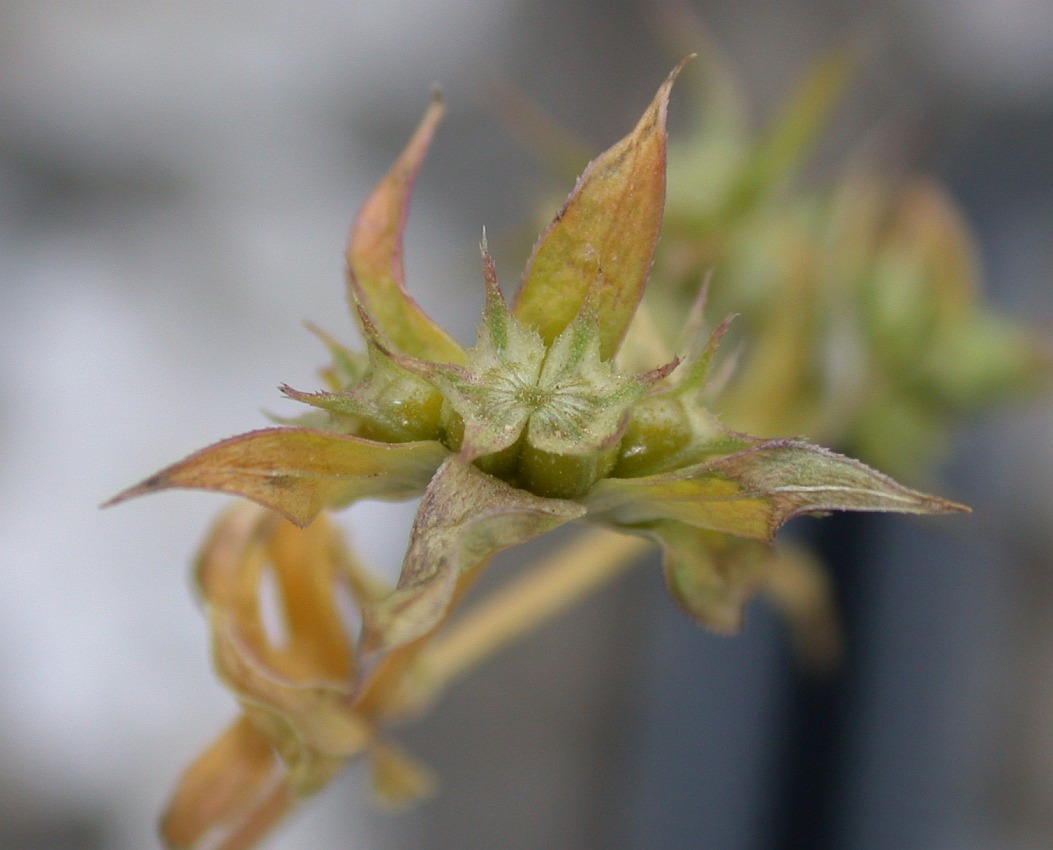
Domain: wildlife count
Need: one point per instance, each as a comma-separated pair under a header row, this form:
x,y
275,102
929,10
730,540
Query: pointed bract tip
x,y
943,506
659,373
493,288
722,328
157,481
293,393
369,327
676,71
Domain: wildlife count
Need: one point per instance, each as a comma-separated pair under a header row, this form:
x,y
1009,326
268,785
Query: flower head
x,y
538,424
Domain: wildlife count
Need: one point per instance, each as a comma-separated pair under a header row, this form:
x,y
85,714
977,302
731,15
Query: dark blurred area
x,y
175,187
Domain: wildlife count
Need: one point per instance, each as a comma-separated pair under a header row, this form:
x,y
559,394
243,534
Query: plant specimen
x,y
588,398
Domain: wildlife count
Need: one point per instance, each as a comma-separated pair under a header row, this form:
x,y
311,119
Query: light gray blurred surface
x,y
176,182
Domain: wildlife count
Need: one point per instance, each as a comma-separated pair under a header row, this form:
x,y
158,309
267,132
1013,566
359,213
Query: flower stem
x,y
569,574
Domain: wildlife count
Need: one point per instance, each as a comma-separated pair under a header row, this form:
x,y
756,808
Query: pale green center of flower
x,y
534,397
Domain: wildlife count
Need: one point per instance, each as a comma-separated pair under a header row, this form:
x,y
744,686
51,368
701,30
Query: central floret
x,y
533,397
547,418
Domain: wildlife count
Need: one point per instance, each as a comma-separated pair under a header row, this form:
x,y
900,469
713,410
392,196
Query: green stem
x,y
554,584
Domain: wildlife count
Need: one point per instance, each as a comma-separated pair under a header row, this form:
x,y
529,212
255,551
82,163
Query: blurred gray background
x,y
176,182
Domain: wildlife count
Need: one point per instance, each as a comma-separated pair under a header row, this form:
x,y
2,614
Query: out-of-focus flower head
x,y
863,319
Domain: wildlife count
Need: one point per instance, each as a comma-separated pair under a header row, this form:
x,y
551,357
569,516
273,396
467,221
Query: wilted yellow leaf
x,y
752,493
298,471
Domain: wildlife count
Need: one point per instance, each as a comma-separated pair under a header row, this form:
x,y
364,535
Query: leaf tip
x,y
680,67
662,97
159,480
945,506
